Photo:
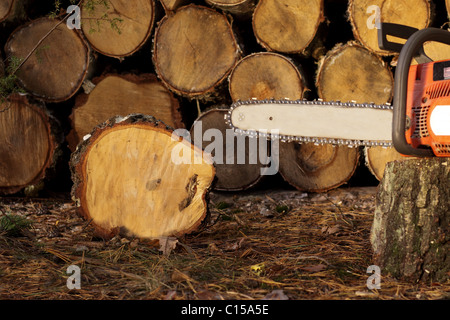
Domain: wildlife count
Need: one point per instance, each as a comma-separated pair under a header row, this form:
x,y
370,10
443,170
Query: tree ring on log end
x,y
126,178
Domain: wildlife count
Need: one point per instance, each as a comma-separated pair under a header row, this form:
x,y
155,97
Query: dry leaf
x,y
167,244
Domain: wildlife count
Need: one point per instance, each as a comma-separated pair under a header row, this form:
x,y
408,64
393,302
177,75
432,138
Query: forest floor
x,y
282,244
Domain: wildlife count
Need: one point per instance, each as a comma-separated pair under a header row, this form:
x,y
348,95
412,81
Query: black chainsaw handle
x,y
409,50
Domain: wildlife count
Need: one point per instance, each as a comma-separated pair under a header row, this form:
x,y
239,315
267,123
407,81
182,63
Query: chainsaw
x,y
416,124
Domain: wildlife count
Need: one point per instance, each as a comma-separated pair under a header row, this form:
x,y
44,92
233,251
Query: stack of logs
x,y
169,62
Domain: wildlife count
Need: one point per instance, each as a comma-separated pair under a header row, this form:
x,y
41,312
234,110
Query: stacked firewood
x,y
120,77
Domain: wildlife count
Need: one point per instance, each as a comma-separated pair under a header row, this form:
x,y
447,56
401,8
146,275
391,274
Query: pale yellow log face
x,y
24,145
287,26
132,182
132,31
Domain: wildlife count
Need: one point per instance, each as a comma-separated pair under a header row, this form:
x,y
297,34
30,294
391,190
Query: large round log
x,y
237,157
120,95
116,28
55,69
266,75
317,168
132,176
29,143
350,72
287,26
365,14
410,234
194,50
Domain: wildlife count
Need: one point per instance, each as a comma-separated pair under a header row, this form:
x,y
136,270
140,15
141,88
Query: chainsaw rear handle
x,y
413,45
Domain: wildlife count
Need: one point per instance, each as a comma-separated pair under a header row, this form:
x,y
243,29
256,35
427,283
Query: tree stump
x,y
287,26
29,144
364,15
120,95
116,28
56,69
132,177
410,232
194,51
242,169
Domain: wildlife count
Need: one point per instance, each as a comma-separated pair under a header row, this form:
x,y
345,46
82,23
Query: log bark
x,y
194,51
266,75
287,26
132,177
317,168
362,16
56,69
240,9
410,231
29,144
120,95
232,174
113,37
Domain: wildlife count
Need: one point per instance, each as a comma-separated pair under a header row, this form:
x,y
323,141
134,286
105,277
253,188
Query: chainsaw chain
x,y
315,140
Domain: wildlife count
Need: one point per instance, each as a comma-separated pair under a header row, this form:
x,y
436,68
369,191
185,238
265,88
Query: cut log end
x,y
127,27
287,26
364,14
244,169
5,9
410,231
377,157
28,144
313,168
194,50
120,95
131,174
350,72
266,75
56,69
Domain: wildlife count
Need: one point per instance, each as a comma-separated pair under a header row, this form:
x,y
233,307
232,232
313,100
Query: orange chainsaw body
x,y
428,92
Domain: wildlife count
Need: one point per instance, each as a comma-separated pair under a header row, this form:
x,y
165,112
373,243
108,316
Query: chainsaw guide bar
x,y
321,122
